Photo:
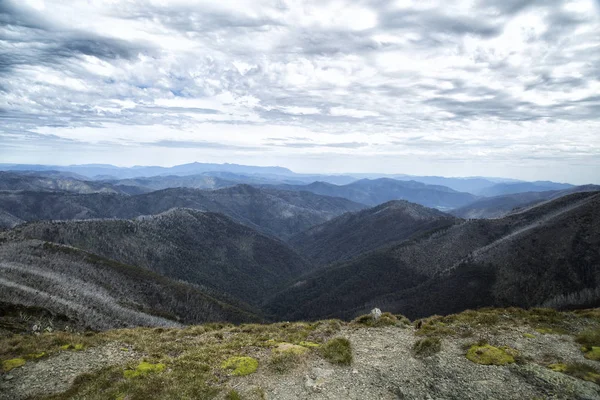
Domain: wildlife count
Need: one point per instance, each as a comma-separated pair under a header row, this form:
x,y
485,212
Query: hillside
x,y
522,187
58,181
496,354
274,212
378,191
201,248
524,259
352,234
98,293
499,206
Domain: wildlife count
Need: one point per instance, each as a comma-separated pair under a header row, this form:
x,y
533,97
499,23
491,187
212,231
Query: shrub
x,y
427,346
338,351
386,319
233,395
282,362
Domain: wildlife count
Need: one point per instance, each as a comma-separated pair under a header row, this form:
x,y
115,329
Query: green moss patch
x,y
240,366
529,336
35,356
309,344
550,331
590,341
144,368
338,351
578,370
486,354
74,347
12,364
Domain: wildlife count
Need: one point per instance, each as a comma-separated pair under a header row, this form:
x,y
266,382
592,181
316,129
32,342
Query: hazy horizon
x,y
472,88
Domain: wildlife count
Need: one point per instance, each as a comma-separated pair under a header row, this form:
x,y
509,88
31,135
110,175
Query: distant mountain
x,y
545,255
522,187
99,293
201,248
275,212
499,206
58,181
352,234
174,181
105,170
378,191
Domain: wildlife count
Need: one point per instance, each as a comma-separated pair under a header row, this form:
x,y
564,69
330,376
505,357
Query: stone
x,y
376,313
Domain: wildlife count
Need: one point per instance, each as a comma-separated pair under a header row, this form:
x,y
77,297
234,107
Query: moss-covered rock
x,y
240,366
12,364
592,353
486,354
142,369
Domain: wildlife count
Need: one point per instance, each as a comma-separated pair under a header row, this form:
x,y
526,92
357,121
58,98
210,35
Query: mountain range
x,y
243,246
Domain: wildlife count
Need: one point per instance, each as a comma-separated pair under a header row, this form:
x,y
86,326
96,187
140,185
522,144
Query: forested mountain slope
x,y
274,212
352,234
197,247
99,293
499,206
524,259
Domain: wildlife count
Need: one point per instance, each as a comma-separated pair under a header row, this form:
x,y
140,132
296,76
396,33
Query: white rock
x,y
376,313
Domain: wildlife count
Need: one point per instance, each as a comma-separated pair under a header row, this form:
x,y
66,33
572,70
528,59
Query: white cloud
x,y
475,81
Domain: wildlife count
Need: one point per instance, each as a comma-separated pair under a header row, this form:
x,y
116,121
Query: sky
x,y
455,88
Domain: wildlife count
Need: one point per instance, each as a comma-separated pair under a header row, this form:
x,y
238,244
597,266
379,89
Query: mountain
x,y
499,206
174,181
522,187
526,259
378,191
93,170
355,233
197,247
98,293
274,212
58,181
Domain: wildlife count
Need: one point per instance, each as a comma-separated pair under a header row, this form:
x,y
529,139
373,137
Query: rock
x,y
376,313
8,377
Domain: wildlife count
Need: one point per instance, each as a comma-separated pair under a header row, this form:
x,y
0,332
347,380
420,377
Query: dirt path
x,y
57,373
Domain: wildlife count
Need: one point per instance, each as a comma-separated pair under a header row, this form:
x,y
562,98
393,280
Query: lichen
x,y
489,355
240,366
142,369
13,363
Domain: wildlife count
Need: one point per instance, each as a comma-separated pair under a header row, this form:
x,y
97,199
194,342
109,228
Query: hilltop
x,y
491,353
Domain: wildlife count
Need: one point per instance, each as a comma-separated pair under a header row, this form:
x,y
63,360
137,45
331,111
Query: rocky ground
x,y
56,374
384,365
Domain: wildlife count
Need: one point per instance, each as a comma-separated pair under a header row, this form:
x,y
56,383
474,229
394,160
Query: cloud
x,y
347,77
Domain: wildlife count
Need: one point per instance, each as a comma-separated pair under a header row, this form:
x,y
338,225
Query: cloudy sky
x,y
457,88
